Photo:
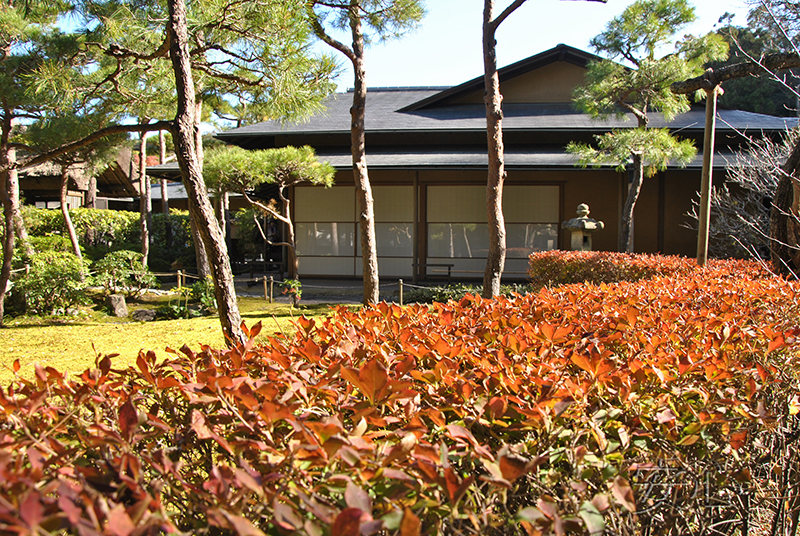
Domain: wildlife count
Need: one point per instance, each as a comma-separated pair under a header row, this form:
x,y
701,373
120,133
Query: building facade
x,y
426,152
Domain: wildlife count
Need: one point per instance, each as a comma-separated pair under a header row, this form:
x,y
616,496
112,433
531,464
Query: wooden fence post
x,y
401,292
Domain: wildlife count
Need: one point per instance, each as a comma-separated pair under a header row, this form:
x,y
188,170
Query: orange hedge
x,y
664,406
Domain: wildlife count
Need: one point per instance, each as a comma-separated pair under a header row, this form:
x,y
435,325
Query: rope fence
x,y
268,282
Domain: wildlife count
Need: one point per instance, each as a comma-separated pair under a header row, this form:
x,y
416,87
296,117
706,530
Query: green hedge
x,y
104,231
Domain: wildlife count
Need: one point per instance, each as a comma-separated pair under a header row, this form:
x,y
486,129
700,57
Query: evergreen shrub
x,y
56,282
121,272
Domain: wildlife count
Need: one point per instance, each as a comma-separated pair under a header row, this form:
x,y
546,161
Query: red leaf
x,y
119,522
199,426
623,493
204,432
453,482
738,439
583,362
31,510
775,343
347,523
128,419
286,517
459,432
67,504
497,407
242,526
104,365
255,330
456,487
16,366
311,351
665,416
411,524
373,378
144,367
513,466
355,497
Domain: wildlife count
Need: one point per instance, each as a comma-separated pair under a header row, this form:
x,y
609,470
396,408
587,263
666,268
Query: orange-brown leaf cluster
x,y
550,413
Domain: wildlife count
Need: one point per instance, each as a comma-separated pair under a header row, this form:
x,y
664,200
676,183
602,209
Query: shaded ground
x,y
317,291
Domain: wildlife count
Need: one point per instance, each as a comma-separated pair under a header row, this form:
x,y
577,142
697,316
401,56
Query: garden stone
x,y
144,315
117,306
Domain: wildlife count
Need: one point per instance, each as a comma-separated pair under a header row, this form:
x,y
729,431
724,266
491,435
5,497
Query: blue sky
x,y
446,49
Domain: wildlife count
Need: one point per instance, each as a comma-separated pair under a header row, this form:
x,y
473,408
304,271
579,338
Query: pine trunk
x,y
496,259
293,261
144,200
369,247
16,210
784,228
73,236
626,224
185,133
8,216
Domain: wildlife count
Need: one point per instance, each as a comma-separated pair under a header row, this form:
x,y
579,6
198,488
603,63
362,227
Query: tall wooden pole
x,y
708,164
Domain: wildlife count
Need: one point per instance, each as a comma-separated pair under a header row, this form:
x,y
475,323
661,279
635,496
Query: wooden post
x,y
271,283
401,291
266,297
180,276
708,165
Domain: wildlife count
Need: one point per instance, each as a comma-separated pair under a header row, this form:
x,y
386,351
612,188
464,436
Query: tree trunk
x,y
201,259
185,132
293,262
221,205
162,158
626,223
369,247
8,216
73,236
493,100
91,194
784,220
19,223
144,200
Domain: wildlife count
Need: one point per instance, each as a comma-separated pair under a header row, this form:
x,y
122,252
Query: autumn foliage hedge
x,y
667,406
557,267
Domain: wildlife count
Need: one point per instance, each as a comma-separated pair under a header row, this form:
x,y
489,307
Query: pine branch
x,y
91,138
772,62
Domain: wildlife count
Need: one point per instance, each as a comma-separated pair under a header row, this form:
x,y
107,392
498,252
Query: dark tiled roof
x,y
383,115
514,159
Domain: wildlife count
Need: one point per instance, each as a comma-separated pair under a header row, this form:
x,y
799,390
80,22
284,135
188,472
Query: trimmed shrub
x,y
99,231
455,291
661,407
171,241
203,293
556,267
56,282
103,231
121,272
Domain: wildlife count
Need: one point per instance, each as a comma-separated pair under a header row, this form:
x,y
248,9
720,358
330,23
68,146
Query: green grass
x,y
72,343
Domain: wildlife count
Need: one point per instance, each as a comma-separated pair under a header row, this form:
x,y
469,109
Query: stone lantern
x,y
582,228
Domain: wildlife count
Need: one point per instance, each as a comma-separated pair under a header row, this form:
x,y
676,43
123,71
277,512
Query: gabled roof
x,y
397,117
560,52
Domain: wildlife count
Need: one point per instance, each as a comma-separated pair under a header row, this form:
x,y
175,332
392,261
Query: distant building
x,y
426,151
115,188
